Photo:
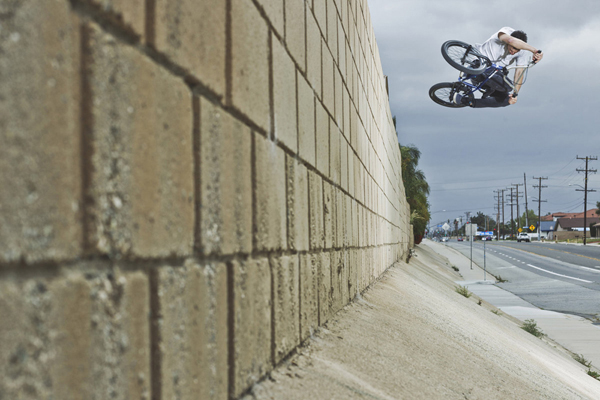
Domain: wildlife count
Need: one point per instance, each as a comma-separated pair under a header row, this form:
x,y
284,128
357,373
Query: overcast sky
x,y
468,153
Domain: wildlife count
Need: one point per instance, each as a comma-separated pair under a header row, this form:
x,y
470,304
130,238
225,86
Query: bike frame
x,y
490,72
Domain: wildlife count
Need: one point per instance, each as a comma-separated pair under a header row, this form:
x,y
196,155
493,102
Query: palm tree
x,y
416,188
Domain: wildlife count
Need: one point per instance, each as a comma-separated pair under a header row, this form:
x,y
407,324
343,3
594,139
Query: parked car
x,y
460,239
523,237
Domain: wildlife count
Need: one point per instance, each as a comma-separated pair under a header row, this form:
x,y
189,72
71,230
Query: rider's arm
x,y
518,79
521,45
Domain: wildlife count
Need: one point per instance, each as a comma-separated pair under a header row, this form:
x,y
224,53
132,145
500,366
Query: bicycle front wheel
x,y
464,57
443,93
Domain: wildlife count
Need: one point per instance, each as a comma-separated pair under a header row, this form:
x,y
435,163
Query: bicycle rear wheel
x,y
464,57
443,93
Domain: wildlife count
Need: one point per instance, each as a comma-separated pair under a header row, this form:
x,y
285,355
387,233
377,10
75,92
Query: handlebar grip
x,y
538,52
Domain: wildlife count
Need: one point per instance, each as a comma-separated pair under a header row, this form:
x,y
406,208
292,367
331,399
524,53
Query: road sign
x,y
520,230
532,228
445,227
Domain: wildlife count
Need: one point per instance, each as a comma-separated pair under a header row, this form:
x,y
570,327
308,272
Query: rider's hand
x,y
511,100
537,57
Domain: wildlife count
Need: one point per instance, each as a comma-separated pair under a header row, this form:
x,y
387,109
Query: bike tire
x,y
442,94
464,57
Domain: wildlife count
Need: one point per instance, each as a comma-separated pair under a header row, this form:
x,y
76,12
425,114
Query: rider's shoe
x,y
457,99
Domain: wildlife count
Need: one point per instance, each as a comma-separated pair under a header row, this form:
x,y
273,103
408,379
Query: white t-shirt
x,y
497,51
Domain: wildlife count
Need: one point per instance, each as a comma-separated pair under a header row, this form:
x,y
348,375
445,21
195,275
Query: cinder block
x,y
339,96
313,53
191,327
40,160
76,337
284,97
322,137
315,188
339,280
325,288
297,205
295,30
274,11
332,29
251,323
340,218
341,37
270,194
328,80
120,324
286,305
329,215
141,163
306,121
192,35
343,163
250,63
335,160
225,220
309,295
320,12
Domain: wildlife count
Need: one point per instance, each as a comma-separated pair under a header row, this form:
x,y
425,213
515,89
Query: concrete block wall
x,y
189,189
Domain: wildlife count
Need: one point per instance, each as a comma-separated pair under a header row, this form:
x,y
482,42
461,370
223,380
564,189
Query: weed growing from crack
x,y
463,291
531,326
581,359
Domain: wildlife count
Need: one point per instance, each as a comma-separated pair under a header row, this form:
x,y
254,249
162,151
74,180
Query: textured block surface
x,y
225,182
140,136
192,327
192,34
271,212
40,174
251,323
250,63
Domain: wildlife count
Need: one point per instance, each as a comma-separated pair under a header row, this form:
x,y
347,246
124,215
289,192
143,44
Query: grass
x,y
531,326
455,268
500,280
463,291
581,359
593,374
497,312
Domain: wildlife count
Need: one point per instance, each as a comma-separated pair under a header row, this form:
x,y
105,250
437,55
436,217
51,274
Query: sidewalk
x,y
575,333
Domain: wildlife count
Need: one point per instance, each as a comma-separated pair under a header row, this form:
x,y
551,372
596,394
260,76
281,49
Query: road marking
x,y
591,269
554,273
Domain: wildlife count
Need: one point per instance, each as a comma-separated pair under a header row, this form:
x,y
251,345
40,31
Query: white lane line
x,y
591,269
554,273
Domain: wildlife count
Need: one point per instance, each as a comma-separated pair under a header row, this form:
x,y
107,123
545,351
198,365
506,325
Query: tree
x,y
416,189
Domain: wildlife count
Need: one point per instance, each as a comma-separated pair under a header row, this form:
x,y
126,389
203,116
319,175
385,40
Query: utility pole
x,y
526,208
585,190
518,214
540,201
498,213
512,229
502,208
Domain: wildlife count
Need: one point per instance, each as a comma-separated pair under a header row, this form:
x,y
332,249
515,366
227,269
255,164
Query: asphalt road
x,y
557,277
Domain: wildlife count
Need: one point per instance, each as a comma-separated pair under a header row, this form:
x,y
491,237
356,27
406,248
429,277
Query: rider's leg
x,y
498,99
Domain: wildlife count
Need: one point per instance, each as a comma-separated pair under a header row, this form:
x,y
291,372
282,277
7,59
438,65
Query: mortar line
x,y
86,146
197,157
231,330
155,337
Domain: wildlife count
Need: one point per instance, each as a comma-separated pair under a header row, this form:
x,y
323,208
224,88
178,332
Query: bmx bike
x,y
476,74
